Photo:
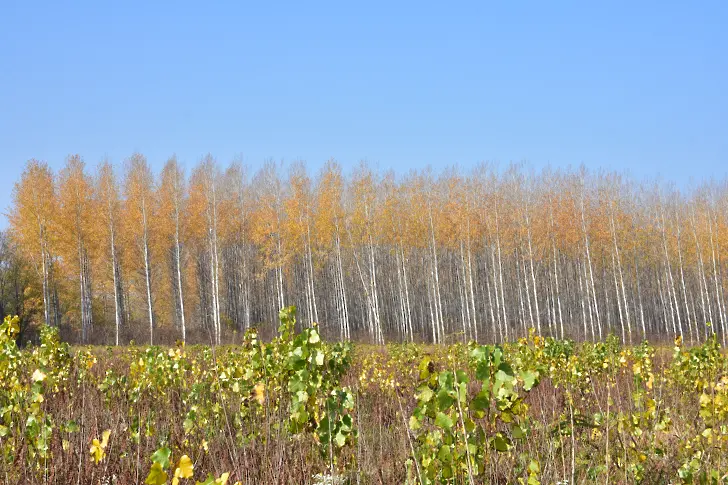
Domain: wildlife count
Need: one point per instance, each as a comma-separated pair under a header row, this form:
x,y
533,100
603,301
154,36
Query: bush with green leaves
x,y
455,432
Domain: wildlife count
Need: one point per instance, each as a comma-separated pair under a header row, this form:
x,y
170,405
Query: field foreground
x,y
300,410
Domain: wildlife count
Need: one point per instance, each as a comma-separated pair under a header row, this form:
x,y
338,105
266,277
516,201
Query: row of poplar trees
x,y
372,256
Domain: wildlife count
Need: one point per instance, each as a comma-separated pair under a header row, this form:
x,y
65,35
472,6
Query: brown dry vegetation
x,y
562,437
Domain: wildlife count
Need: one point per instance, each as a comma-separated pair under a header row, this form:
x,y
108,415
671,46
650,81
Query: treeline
x,y
14,279
428,257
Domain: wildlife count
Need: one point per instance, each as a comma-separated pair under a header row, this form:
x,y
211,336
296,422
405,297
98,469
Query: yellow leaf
x,y
105,438
97,449
218,481
185,469
260,393
157,476
97,452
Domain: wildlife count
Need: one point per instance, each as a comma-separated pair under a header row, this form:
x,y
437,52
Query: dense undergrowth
x,y
301,410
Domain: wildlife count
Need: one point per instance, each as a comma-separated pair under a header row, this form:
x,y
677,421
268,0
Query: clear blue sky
x,y
627,86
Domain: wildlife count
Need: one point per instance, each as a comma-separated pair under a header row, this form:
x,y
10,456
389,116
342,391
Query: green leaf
x,y
462,377
481,402
501,443
210,480
161,457
424,394
506,369
444,400
530,379
324,424
302,396
497,356
481,353
444,455
462,392
347,423
469,424
446,380
443,421
72,427
482,372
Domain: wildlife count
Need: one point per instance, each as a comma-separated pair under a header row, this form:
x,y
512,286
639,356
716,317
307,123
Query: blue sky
x,y
636,87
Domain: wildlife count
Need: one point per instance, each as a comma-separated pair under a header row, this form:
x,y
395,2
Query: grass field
x,y
300,410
